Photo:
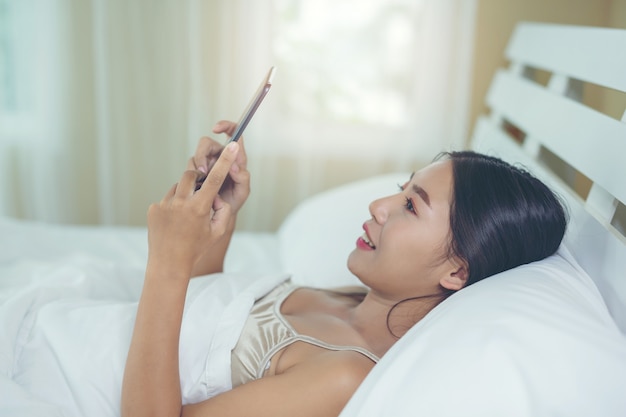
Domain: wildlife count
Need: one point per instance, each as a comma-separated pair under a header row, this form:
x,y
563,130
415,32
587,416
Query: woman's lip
x,y
367,232
361,244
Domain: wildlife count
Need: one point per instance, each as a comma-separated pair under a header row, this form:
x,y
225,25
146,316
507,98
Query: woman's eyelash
x,y
409,205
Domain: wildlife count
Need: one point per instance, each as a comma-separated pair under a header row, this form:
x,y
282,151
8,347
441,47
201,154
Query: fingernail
x,y
203,169
232,147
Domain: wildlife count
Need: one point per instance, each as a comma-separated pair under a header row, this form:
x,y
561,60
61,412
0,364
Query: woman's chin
x,y
352,265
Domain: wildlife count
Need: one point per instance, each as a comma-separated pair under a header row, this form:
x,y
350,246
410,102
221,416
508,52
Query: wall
x,y
496,19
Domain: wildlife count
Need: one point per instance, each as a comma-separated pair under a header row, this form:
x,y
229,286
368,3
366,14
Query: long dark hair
x,y
501,217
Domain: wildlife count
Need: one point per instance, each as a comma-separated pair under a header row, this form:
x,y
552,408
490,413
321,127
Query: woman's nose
x,y
379,209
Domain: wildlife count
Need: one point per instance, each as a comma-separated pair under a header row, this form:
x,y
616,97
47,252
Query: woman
x,y
461,219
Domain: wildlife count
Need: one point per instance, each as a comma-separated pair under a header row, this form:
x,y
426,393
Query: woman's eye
x,y
409,205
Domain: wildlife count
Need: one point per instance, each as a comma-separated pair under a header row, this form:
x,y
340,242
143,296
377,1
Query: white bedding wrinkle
x,y
65,335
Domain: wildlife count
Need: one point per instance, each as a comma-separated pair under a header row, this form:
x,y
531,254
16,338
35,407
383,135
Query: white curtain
x,y
103,101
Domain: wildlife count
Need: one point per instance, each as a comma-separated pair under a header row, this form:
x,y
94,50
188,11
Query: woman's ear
x,y
455,279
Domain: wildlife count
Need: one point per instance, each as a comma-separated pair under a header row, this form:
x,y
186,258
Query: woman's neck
x,y
380,329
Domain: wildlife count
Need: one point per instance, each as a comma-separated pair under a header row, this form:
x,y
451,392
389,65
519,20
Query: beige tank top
x,y
267,331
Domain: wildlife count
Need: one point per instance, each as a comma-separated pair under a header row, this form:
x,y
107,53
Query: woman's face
x,y
403,250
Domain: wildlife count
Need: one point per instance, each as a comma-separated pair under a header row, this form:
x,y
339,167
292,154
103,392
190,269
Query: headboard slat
x,y
559,123
572,50
602,201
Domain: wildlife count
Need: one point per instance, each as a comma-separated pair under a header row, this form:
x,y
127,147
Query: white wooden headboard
x,y
547,127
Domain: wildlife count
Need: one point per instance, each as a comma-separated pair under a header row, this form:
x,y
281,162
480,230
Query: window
x,y
353,65
353,69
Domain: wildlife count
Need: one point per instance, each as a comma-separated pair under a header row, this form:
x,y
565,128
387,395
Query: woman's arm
x,y
182,228
151,385
316,387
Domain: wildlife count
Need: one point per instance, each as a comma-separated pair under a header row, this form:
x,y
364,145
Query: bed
x,y
544,339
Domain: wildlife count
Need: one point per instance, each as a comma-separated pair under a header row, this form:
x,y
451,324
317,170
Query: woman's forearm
x,y
151,385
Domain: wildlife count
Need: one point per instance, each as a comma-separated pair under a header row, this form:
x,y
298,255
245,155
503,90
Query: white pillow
x,y
319,234
533,341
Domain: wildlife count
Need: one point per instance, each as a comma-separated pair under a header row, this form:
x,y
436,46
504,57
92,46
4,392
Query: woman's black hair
x,y
501,217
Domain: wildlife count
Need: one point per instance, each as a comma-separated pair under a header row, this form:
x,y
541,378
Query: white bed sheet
x,y
58,283
68,298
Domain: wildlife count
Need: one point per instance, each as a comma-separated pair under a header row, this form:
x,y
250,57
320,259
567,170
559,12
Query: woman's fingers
x,y
187,184
228,127
218,173
235,186
207,151
221,215
225,126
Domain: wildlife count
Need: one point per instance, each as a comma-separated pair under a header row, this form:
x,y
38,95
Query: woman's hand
x,y
236,187
187,223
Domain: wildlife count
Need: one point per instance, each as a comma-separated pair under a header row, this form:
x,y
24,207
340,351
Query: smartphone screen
x,y
258,97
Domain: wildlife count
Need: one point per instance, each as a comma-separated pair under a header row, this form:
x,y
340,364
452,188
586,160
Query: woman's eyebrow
x,y
422,193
